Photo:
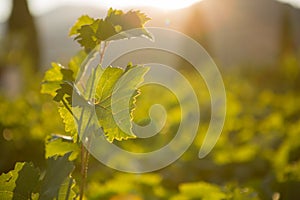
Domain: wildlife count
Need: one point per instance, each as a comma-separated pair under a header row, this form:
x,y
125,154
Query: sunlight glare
x,y
161,4
39,7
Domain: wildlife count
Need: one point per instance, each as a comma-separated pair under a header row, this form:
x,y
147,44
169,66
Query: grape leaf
x,y
58,82
87,36
66,191
89,33
58,170
105,30
76,62
23,183
65,91
103,106
93,79
55,76
68,120
83,20
127,21
58,146
19,183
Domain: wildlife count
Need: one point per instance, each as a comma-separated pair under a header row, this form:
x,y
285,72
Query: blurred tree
x,y
287,43
288,48
21,49
22,29
197,27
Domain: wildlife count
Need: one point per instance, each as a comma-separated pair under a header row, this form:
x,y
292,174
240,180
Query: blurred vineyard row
x,y
256,157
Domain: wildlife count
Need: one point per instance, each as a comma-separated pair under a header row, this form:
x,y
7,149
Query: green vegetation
x,y
256,157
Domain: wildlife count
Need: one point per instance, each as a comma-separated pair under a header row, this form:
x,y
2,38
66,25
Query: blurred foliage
x,y
24,124
54,183
258,151
256,157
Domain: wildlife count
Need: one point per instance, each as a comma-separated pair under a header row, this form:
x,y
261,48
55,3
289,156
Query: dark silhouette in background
x,y
19,62
22,32
287,40
20,56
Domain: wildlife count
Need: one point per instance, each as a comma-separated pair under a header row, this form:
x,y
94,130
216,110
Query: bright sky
x,y
38,7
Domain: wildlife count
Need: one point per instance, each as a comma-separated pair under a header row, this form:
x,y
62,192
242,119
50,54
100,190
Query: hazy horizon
x,y
39,8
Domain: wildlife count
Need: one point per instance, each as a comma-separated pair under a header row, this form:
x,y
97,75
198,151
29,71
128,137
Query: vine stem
x,y
102,51
84,168
67,107
85,154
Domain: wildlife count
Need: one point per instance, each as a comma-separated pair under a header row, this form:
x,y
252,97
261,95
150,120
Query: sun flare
x,y
161,4
39,7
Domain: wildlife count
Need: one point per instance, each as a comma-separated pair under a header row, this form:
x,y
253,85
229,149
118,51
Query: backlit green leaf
x,y
60,147
76,62
87,36
66,191
55,76
105,30
58,170
83,20
89,33
68,120
105,88
19,183
127,21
